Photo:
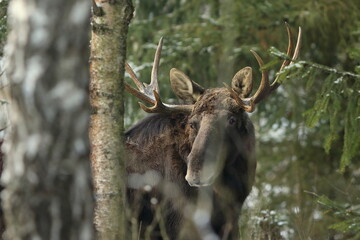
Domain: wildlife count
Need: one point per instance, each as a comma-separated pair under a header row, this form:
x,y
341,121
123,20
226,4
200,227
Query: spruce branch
x,y
275,52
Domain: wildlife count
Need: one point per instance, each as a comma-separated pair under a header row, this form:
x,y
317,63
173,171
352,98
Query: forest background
x,y
308,137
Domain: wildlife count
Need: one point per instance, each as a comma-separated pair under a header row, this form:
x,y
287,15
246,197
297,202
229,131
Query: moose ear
x,y
184,88
242,82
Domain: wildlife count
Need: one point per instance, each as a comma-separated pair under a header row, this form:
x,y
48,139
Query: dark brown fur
x,y
163,149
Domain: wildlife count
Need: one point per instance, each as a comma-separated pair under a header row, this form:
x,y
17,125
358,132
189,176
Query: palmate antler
x,y
150,93
265,88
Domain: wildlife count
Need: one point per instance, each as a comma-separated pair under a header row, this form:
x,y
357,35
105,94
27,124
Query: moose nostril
x,y
193,181
187,178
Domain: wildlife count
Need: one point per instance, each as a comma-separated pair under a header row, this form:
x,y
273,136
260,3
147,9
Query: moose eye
x,y
192,125
232,121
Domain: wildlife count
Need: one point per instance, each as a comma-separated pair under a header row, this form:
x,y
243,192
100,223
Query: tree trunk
x,y
108,50
47,172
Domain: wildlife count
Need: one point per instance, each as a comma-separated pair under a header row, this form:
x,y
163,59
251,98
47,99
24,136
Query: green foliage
x,y
340,90
348,215
338,104
308,129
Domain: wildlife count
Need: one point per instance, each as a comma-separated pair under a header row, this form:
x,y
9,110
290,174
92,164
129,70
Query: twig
x,y
329,69
275,52
139,233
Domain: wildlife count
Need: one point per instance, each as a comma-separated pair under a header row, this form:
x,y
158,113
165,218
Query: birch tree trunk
x,y
47,172
108,50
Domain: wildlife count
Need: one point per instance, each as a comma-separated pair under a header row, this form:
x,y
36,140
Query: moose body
x,y
170,145
190,167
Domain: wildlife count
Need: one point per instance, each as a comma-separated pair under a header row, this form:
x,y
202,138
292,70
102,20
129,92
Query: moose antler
x,y
150,93
265,88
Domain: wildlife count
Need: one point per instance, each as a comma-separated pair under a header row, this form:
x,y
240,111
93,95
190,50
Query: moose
x,y
191,166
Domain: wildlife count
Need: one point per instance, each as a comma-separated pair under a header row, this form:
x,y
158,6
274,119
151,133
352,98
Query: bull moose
x,y
191,166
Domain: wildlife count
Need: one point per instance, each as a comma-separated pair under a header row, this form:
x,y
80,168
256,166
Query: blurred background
x,y
308,131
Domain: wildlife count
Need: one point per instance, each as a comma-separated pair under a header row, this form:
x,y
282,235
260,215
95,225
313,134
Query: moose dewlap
x,y
190,167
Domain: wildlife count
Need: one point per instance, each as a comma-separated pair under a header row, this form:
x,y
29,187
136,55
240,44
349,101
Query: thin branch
x,y
275,52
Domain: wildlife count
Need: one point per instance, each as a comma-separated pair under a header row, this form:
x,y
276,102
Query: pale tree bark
x,y
108,50
47,176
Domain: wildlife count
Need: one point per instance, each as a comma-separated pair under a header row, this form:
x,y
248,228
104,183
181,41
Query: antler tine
x,y
160,107
139,94
290,47
264,87
245,104
150,93
297,47
133,76
293,56
154,72
286,62
145,91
